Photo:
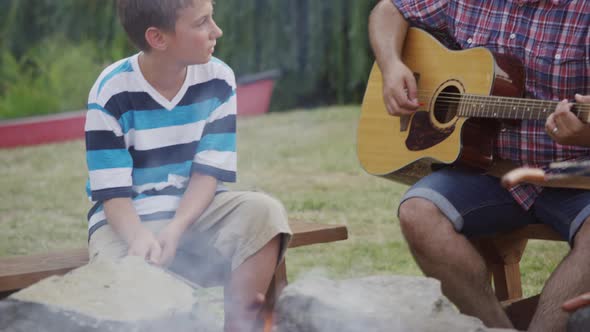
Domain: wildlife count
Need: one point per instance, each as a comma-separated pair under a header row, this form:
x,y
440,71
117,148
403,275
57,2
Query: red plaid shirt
x,y
551,38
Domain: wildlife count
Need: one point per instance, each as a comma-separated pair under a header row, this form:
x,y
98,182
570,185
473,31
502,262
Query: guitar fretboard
x,y
512,108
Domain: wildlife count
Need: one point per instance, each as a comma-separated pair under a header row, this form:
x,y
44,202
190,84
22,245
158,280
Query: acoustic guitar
x,y
464,94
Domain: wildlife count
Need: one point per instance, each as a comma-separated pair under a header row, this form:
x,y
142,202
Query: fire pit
x,y
122,297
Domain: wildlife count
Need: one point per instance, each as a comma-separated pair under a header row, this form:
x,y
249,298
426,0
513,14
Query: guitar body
x,y
404,149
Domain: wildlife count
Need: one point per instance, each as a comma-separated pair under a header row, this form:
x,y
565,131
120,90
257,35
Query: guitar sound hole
x,y
446,104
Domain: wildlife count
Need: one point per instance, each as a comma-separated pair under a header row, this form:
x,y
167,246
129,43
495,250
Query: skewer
x,y
181,278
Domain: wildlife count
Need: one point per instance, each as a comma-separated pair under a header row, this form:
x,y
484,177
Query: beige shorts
x,y
235,226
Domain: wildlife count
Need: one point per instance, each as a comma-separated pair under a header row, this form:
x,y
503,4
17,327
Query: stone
x,y
579,321
380,303
126,295
19,316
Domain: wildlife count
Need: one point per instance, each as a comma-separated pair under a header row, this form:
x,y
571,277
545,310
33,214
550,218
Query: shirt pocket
x,y
559,72
468,36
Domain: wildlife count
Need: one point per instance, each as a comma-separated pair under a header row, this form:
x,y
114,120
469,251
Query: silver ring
x,y
555,130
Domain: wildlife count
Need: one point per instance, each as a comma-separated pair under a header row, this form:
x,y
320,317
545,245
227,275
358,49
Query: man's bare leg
x,y
448,256
244,296
570,278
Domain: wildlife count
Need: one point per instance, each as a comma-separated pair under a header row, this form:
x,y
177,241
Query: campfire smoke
x,y
370,304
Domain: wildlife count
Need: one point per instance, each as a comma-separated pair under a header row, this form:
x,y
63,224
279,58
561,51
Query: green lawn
x,y
305,158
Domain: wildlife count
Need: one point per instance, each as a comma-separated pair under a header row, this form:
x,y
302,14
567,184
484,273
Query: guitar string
x,y
481,96
502,101
507,103
508,107
429,93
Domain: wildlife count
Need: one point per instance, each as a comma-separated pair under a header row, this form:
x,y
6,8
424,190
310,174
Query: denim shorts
x,y
476,204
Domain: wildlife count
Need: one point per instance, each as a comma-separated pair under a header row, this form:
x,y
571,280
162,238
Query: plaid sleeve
x,y
427,14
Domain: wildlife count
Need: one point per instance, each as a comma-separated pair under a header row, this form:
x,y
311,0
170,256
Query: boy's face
x,y
193,41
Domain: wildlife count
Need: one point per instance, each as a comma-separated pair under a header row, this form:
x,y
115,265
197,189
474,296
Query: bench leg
x,y
502,255
507,282
279,281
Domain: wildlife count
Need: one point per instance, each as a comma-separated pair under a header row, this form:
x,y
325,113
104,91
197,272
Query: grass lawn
x,y
305,158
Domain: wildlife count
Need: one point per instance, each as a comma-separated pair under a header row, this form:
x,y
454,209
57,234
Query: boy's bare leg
x,y
571,278
448,256
244,296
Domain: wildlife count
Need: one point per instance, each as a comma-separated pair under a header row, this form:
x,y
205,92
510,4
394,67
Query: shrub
x,y
53,77
28,97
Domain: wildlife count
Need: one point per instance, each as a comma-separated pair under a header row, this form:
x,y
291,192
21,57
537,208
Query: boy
x,y
160,139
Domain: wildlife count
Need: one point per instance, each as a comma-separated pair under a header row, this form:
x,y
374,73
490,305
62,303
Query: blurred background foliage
x,y
51,51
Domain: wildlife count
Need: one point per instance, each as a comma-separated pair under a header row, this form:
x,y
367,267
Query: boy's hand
x,y
168,239
145,245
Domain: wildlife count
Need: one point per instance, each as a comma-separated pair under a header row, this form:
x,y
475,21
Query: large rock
x,y
18,316
127,295
579,321
384,303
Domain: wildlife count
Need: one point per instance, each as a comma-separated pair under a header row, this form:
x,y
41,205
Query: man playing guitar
x,y
441,211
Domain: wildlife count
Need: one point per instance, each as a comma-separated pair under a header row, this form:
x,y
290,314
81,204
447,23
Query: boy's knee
x,y
263,206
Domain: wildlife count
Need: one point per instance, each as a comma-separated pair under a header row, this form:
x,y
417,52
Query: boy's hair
x,y
137,16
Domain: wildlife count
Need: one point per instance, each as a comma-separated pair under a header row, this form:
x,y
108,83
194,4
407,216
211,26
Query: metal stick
x,y
178,277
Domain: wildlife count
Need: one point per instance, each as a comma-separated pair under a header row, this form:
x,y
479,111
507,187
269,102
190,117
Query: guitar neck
x,y
496,107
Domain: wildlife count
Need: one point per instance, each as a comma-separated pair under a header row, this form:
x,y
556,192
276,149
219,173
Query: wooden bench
x,y
503,253
18,272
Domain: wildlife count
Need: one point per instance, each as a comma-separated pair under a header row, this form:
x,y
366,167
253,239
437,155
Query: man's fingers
x,y
566,121
392,106
557,122
405,101
400,92
406,106
550,125
412,93
582,99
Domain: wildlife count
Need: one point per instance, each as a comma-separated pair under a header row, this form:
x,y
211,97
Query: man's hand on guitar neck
x,y
400,93
565,128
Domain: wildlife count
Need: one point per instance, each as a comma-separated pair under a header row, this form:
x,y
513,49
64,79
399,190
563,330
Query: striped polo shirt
x,y
143,146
